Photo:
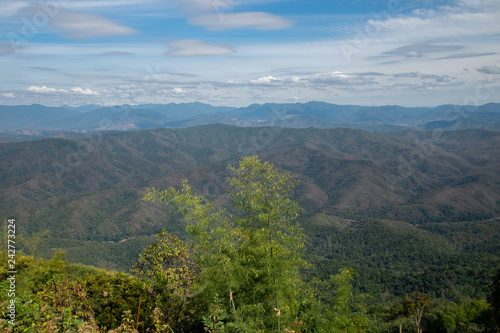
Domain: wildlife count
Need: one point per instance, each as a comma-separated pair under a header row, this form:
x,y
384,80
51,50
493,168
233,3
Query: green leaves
x,y
415,305
251,255
167,264
347,313
261,191
167,261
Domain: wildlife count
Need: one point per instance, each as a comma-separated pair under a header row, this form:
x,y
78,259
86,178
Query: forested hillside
x,y
417,208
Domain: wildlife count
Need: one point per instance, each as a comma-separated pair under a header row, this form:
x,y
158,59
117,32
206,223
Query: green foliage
x,y
272,244
398,258
462,316
346,312
414,305
44,271
112,294
54,296
50,296
128,324
167,261
251,254
33,274
168,265
216,321
67,302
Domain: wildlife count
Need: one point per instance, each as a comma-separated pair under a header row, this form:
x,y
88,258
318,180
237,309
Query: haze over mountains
x,y
37,120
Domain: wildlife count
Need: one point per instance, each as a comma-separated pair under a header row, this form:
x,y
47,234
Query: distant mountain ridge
x,y
298,115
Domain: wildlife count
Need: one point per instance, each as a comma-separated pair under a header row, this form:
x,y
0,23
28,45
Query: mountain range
x,y
28,121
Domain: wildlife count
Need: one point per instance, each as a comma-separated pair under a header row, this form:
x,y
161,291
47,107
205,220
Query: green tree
x,y
464,315
346,311
250,252
415,305
167,263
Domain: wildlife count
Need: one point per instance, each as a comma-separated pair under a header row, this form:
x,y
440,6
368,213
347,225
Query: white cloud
x,y
83,25
45,90
221,15
75,90
245,20
81,91
266,80
197,48
178,91
467,19
8,95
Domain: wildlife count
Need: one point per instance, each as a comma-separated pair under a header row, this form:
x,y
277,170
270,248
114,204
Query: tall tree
x,y
415,305
252,251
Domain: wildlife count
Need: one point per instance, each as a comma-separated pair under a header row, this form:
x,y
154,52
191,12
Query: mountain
x,y
94,117
83,108
38,121
452,117
411,176
396,206
31,116
110,118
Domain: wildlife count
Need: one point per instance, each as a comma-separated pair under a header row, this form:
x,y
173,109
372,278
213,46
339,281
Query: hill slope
x,y
88,192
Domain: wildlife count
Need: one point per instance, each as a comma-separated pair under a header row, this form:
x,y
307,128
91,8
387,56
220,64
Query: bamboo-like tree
x,y
250,252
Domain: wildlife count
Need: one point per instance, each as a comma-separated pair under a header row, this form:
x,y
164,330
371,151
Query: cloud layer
x,y
238,52
74,90
196,48
246,20
73,24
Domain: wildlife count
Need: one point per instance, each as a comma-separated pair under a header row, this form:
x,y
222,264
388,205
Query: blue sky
x,y
239,52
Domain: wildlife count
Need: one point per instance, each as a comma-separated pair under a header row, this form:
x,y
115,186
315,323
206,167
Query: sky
x,y
239,52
